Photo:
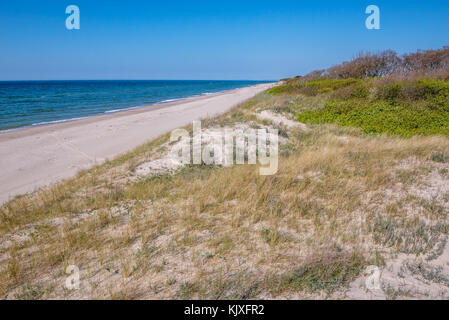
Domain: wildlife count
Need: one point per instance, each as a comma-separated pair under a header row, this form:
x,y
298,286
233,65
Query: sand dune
x,y
35,157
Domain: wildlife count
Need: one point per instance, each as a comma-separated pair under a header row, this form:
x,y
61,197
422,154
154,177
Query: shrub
x,y
426,60
312,88
389,91
428,88
427,64
401,103
380,117
283,89
360,91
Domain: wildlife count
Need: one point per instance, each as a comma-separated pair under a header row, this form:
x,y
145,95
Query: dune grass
x,y
337,204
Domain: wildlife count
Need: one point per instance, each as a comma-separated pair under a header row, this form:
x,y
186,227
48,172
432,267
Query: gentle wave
x,y
34,103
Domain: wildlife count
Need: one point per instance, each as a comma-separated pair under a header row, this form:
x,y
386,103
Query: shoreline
x,y
58,124
114,111
38,156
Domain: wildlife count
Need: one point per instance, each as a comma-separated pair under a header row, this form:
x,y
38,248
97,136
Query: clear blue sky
x,y
212,39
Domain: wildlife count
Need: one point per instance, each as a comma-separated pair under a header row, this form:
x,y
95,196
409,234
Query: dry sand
x,y
35,157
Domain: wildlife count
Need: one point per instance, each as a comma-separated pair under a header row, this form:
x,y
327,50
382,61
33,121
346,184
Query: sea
x,y
35,103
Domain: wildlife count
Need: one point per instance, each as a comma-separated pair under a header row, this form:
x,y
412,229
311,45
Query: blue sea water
x,y
29,103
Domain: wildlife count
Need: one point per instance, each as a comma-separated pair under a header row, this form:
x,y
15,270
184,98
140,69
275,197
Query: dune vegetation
x,y
362,180
403,108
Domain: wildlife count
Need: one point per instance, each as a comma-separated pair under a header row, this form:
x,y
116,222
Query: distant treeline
x,y
422,64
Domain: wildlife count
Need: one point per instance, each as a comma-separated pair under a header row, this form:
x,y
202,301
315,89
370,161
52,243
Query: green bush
x,y
328,85
390,91
284,89
380,117
279,90
312,88
430,88
356,90
426,89
403,108
360,90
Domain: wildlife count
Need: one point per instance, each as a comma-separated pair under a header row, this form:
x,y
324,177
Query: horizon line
x,y
30,80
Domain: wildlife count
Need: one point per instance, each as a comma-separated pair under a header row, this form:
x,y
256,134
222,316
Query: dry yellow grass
x,y
336,205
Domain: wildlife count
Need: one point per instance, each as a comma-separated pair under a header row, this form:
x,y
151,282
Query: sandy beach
x,y
35,157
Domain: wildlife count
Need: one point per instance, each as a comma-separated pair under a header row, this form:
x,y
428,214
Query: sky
x,y
221,40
